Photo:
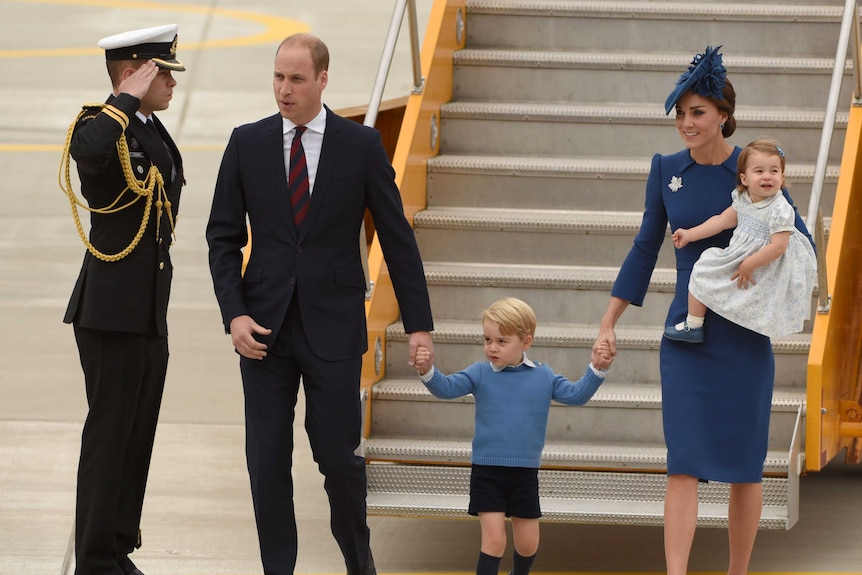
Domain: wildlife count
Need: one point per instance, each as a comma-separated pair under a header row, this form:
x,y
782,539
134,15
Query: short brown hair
x,y
318,50
116,67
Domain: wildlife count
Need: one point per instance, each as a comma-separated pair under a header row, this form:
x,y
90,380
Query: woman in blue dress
x,y
716,397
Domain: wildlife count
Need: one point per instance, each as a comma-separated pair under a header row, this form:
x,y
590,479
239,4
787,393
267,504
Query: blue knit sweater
x,y
512,407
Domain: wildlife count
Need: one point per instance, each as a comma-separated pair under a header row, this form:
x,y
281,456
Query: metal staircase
x,y
538,191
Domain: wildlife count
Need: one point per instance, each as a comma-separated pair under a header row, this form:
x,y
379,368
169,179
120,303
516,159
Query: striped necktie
x,y
297,179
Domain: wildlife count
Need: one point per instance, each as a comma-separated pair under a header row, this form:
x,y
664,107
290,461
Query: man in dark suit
x,y
304,179
131,175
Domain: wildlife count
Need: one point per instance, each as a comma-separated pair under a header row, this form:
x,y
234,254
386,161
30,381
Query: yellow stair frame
x,y
834,393
418,141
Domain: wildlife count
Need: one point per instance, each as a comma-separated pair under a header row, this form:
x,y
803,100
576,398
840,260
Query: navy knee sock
x,y
521,565
487,564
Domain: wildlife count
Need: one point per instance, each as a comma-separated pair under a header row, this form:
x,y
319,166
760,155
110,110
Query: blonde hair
x,y
764,146
513,316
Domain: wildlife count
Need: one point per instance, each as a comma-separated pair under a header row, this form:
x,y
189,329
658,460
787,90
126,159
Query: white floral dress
x,y
781,300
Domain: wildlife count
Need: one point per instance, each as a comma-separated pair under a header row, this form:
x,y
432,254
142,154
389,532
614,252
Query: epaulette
x,y
90,111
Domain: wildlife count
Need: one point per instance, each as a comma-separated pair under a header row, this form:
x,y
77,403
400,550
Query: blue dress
x,y
716,396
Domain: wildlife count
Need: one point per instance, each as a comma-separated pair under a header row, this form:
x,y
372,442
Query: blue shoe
x,y
681,332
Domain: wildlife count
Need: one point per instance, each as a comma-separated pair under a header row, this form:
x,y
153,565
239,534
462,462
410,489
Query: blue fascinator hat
x,y
706,76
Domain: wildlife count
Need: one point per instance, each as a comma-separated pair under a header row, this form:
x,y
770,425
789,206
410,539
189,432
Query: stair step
x,y
494,74
581,183
599,236
567,348
569,496
564,130
555,454
573,335
620,413
611,394
792,28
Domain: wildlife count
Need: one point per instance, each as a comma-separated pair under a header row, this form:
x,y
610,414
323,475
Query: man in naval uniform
x,y
131,175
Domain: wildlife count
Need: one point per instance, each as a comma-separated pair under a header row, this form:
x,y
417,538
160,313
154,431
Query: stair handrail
x,y
814,221
376,98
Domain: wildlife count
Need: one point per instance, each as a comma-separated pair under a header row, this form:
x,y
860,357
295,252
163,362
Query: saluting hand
x,y
242,330
137,83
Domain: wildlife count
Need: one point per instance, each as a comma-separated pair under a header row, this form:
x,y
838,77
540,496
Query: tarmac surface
x,y
197,514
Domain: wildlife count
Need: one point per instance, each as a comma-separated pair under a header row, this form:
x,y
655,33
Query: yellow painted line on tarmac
x,y
276,28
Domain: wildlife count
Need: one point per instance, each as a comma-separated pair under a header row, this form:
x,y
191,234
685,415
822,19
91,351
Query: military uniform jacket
x,y
131,294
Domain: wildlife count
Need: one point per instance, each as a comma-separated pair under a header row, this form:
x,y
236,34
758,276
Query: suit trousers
x,y
333,422
125,377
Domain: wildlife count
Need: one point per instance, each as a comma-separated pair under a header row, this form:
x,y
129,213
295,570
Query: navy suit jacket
x,y
319,263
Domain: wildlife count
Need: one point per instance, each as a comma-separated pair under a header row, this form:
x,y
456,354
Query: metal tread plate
x,y
626,61
562,510
545,276
576,335
513,220
555,454
564,484
625,113
676,10
611,393
635,169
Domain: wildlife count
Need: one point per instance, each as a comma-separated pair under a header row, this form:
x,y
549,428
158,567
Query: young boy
x,y
513,397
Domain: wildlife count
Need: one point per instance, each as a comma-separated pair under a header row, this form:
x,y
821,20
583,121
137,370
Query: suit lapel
x,y
271,158
172,149
325,167
154,147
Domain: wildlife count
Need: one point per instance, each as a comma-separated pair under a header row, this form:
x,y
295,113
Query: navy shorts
x,y
512,490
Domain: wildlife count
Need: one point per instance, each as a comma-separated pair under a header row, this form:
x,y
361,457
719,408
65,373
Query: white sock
x,y
693,322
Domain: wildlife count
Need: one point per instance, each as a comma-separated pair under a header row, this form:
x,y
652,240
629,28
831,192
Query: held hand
x,y
601,357
242,330
422,362
137,83
421,339
744,275
607,339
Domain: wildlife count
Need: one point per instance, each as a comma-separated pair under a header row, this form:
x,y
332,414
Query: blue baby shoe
x,y
682,332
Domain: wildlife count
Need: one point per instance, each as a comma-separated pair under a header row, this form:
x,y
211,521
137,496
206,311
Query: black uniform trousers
x,y
125,377
333,422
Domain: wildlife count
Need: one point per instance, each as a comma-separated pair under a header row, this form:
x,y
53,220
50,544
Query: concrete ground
x,y
197,515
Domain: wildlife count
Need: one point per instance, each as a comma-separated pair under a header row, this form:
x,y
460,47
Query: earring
x,y
721,126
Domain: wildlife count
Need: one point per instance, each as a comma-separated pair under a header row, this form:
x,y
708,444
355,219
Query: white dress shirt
x,y
312,143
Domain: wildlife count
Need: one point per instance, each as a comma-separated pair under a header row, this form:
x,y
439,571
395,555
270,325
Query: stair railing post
x,y
377,96
849,23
